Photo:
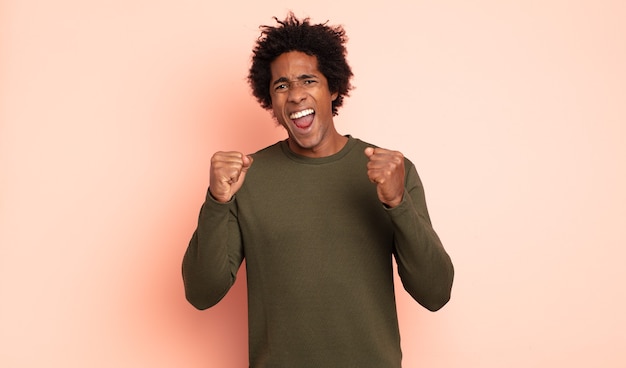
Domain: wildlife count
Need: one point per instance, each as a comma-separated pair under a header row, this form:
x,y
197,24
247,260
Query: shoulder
x,y
361,143
364,144
268,151
267,161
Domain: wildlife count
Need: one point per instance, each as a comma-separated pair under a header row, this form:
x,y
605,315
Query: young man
x,y
318,218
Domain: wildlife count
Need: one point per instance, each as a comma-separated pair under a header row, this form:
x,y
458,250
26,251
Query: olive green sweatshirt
x,y
318,246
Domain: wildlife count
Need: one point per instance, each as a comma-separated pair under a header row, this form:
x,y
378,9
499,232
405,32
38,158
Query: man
x,y
318,218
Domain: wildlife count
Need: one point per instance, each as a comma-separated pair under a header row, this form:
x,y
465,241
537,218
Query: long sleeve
x,y
214,254
424,266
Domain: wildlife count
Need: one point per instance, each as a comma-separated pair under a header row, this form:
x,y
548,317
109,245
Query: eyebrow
x,y
300,77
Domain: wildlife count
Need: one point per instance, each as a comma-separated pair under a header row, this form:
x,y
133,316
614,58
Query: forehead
x,y
293,64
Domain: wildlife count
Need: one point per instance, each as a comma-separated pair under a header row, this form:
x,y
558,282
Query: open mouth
x,y
303,119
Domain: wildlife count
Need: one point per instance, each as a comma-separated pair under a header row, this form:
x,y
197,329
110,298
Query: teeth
x,y
299,114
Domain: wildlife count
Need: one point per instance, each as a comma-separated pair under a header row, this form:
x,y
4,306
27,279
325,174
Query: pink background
x,y
513,111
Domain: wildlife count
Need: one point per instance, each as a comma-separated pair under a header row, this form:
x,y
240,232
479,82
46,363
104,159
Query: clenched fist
x,y
386,169
228,171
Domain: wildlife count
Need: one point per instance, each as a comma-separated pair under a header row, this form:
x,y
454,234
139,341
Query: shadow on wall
x,y
221,332
161,329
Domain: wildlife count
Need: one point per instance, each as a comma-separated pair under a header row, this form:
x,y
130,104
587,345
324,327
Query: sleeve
x,y
425,268
214,254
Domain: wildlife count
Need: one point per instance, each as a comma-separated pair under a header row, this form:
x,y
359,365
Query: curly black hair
x,y
324,42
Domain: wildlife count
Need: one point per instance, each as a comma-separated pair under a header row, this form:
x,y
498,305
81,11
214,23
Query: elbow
x,y
438,294
203,293
201,300
432,299
437,302
441,295
198,304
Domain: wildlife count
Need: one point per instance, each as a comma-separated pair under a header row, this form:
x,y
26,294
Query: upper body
x,y
318,218
318,246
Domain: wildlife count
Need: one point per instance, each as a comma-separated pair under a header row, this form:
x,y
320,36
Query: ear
x,y
334,95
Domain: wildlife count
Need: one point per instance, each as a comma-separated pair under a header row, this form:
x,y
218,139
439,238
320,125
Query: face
x,y
302,103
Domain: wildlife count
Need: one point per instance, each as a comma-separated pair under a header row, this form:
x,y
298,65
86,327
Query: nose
x,y
296,93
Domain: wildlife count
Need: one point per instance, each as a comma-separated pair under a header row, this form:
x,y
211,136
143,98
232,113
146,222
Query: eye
x,y
281,87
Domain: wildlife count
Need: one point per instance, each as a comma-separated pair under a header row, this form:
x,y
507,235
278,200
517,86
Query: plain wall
x,y
514,113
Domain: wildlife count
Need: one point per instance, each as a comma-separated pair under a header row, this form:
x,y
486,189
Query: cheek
x,y
275,100
277,111
278,115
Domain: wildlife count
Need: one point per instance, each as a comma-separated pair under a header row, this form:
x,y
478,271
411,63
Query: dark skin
x,y
306,90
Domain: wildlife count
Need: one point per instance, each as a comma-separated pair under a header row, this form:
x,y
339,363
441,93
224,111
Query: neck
x,y
327,148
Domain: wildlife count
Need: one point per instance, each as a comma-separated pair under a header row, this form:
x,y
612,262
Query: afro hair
x,y
326,43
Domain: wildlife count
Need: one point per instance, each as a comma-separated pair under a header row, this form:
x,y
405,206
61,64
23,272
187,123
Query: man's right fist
x,y
228,171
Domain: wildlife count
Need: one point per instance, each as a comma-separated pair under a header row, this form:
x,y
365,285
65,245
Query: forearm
x,y
424,266
213,256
